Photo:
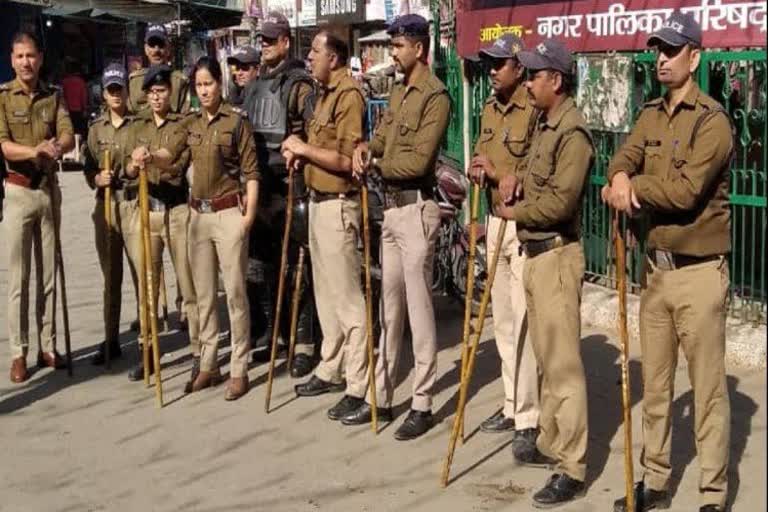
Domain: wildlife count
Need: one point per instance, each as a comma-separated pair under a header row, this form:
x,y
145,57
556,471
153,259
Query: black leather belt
x,y
394,198
121,194
666,260
533,248
319,197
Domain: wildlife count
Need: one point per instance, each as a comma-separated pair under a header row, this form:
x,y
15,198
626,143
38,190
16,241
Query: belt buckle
x,y
205,206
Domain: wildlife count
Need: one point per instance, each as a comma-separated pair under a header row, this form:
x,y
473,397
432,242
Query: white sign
x,y
285,7
308,14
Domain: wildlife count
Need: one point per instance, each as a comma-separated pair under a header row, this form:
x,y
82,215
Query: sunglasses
x,y
668,50
156,43
242,67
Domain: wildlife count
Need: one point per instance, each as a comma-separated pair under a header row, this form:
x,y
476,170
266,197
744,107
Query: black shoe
x,y
416,424
497,424
560,489
316,386
645,499
302,366
137,372
710,508
115,352
525,450
362,415
183,324
345,406
136,325
193,374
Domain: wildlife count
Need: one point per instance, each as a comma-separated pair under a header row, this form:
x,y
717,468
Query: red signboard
x,y
603,25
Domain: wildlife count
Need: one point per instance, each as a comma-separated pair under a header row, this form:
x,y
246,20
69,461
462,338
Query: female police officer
x,y
223,154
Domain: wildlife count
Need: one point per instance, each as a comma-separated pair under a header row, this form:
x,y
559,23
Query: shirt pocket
x,y
20,127
224,142
407,126
653,156
516,142
540,172
322,129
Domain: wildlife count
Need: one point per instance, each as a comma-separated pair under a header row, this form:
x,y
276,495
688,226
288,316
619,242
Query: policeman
x,y
112,131
223,153
506,127
35,131
160,139
674,169
157,48
547,194
334,225
278,103
244,62
405,148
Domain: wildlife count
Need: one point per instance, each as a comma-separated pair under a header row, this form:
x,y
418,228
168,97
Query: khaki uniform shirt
x,y
137,98
407,140
682,177
170,135
505,135
30,120
223,151
337,124
103,135
554,175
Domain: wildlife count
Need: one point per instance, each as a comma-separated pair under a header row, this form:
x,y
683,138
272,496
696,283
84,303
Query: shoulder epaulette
x,y
138,72
653,103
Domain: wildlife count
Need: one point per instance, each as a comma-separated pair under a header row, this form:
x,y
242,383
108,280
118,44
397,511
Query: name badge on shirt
x,y
652,143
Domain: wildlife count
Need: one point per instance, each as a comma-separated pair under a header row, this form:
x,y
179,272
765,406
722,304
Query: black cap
x,y
506,46
275,25
114,74
409,25
157,75
677,30
244,55
156,32
548,54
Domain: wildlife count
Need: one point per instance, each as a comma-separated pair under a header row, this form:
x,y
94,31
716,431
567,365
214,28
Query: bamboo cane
x,y
108,242
280,289
150,308
59,271
369,309
295,306
464,385
470,286
621,284
163,293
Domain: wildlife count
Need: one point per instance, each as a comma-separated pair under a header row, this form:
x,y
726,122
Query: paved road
x,y
98,442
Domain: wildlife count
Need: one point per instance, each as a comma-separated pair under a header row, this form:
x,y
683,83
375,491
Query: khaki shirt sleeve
x,y
246,148
682,189
177,147
5,132
63,121
349,122
91,166
629,158
297,103
562,200
427,140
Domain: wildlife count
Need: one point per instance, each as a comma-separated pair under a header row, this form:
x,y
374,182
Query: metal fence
x,y
737,79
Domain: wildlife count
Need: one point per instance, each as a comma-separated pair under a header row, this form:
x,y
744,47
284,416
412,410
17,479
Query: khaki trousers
x,y
408,241
29,225
510,325
686,307
553,282
334,232
169,229
125,237
218,240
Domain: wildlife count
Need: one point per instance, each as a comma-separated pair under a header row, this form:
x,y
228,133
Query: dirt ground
x,y
99,442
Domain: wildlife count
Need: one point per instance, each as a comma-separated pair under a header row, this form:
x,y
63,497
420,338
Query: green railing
x,y
735,79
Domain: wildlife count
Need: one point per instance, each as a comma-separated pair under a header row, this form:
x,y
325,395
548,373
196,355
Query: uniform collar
x,y
519,99
418,77
337,75
689,100
41,88
554,118
106,118
224,110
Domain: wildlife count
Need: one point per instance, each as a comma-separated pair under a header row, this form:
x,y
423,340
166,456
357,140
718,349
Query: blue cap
x,y
506,46
157,75
409,25
114,74
156,32
244,55
677,30
548,54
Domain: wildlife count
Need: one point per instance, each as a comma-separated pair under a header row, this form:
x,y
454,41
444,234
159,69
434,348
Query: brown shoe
x,y
50,360
19,371
236,387
205,380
